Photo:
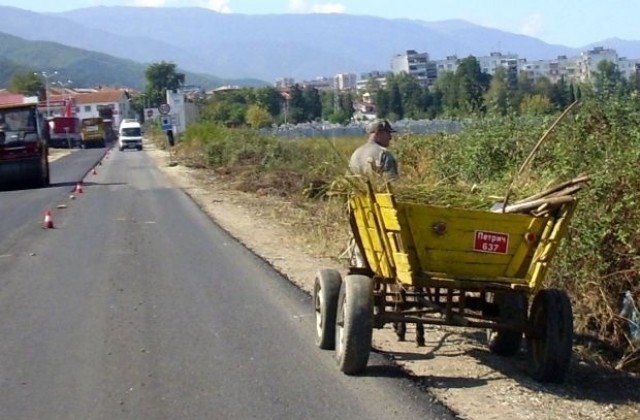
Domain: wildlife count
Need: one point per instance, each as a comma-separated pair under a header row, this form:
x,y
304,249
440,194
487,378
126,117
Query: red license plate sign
x,y
492,242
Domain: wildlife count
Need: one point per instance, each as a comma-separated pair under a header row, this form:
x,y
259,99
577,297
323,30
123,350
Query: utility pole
x,y
46,86
65,88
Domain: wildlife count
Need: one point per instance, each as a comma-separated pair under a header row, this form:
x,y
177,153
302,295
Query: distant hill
x,y
85,68
266,47
7,69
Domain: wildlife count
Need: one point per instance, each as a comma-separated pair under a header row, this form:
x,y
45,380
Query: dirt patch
x,y
455,364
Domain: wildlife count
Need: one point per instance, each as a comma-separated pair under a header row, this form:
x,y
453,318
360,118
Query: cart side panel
x,y
472,244
405,261
554,231
371,237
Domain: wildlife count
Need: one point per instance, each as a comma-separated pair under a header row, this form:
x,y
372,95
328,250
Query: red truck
x,y
64,132
24,153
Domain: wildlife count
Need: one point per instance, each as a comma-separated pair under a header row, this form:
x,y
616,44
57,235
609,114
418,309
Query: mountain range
x,y
262,48
85,67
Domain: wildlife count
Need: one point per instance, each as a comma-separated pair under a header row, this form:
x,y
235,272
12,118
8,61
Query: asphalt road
x,y
137,306
19,207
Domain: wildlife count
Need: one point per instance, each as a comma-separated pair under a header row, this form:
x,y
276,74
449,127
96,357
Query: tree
x,y
446,94
269,99
497,97
28,84
344,110
228,107
535,105
560,94
543,86
472,83
608,80
414,100
257,116
346,106
396,110
312,104
161,77
296,105
383,102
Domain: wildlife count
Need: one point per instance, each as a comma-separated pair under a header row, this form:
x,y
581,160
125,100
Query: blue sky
x,y
573,23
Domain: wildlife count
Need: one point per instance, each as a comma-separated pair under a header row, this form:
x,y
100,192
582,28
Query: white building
x,y
450,64
181,112
628,67
379,77
320,83
563,67
589,60
415,64
490,63
536,69
345,81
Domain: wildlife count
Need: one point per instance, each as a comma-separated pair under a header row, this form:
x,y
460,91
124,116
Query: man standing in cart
x,y
373,157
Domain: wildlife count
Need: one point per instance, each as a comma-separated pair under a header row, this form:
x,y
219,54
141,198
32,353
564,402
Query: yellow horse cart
x,y
437,265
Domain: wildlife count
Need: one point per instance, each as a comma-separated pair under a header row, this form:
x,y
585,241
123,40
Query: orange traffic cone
x,y
79,189
48,220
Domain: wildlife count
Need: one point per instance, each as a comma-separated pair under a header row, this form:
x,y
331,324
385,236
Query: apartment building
x,y
377,76
345,81
320,83
580,68
490,63
589,60
448,64
417,65
426,71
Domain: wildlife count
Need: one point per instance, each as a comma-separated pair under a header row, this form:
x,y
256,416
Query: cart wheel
x,y
551,335
354,323
326,289
513,308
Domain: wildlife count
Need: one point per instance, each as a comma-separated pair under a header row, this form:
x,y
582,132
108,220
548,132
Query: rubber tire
x,y
550,346
326,289
41,177
507,343
46,181
354,324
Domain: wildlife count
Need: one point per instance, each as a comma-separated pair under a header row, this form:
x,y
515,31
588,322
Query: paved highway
x,y
137,306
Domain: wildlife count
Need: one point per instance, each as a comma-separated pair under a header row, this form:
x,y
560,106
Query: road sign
x,y
164,109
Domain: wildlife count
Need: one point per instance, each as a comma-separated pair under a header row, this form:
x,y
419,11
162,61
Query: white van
x,y
130,135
